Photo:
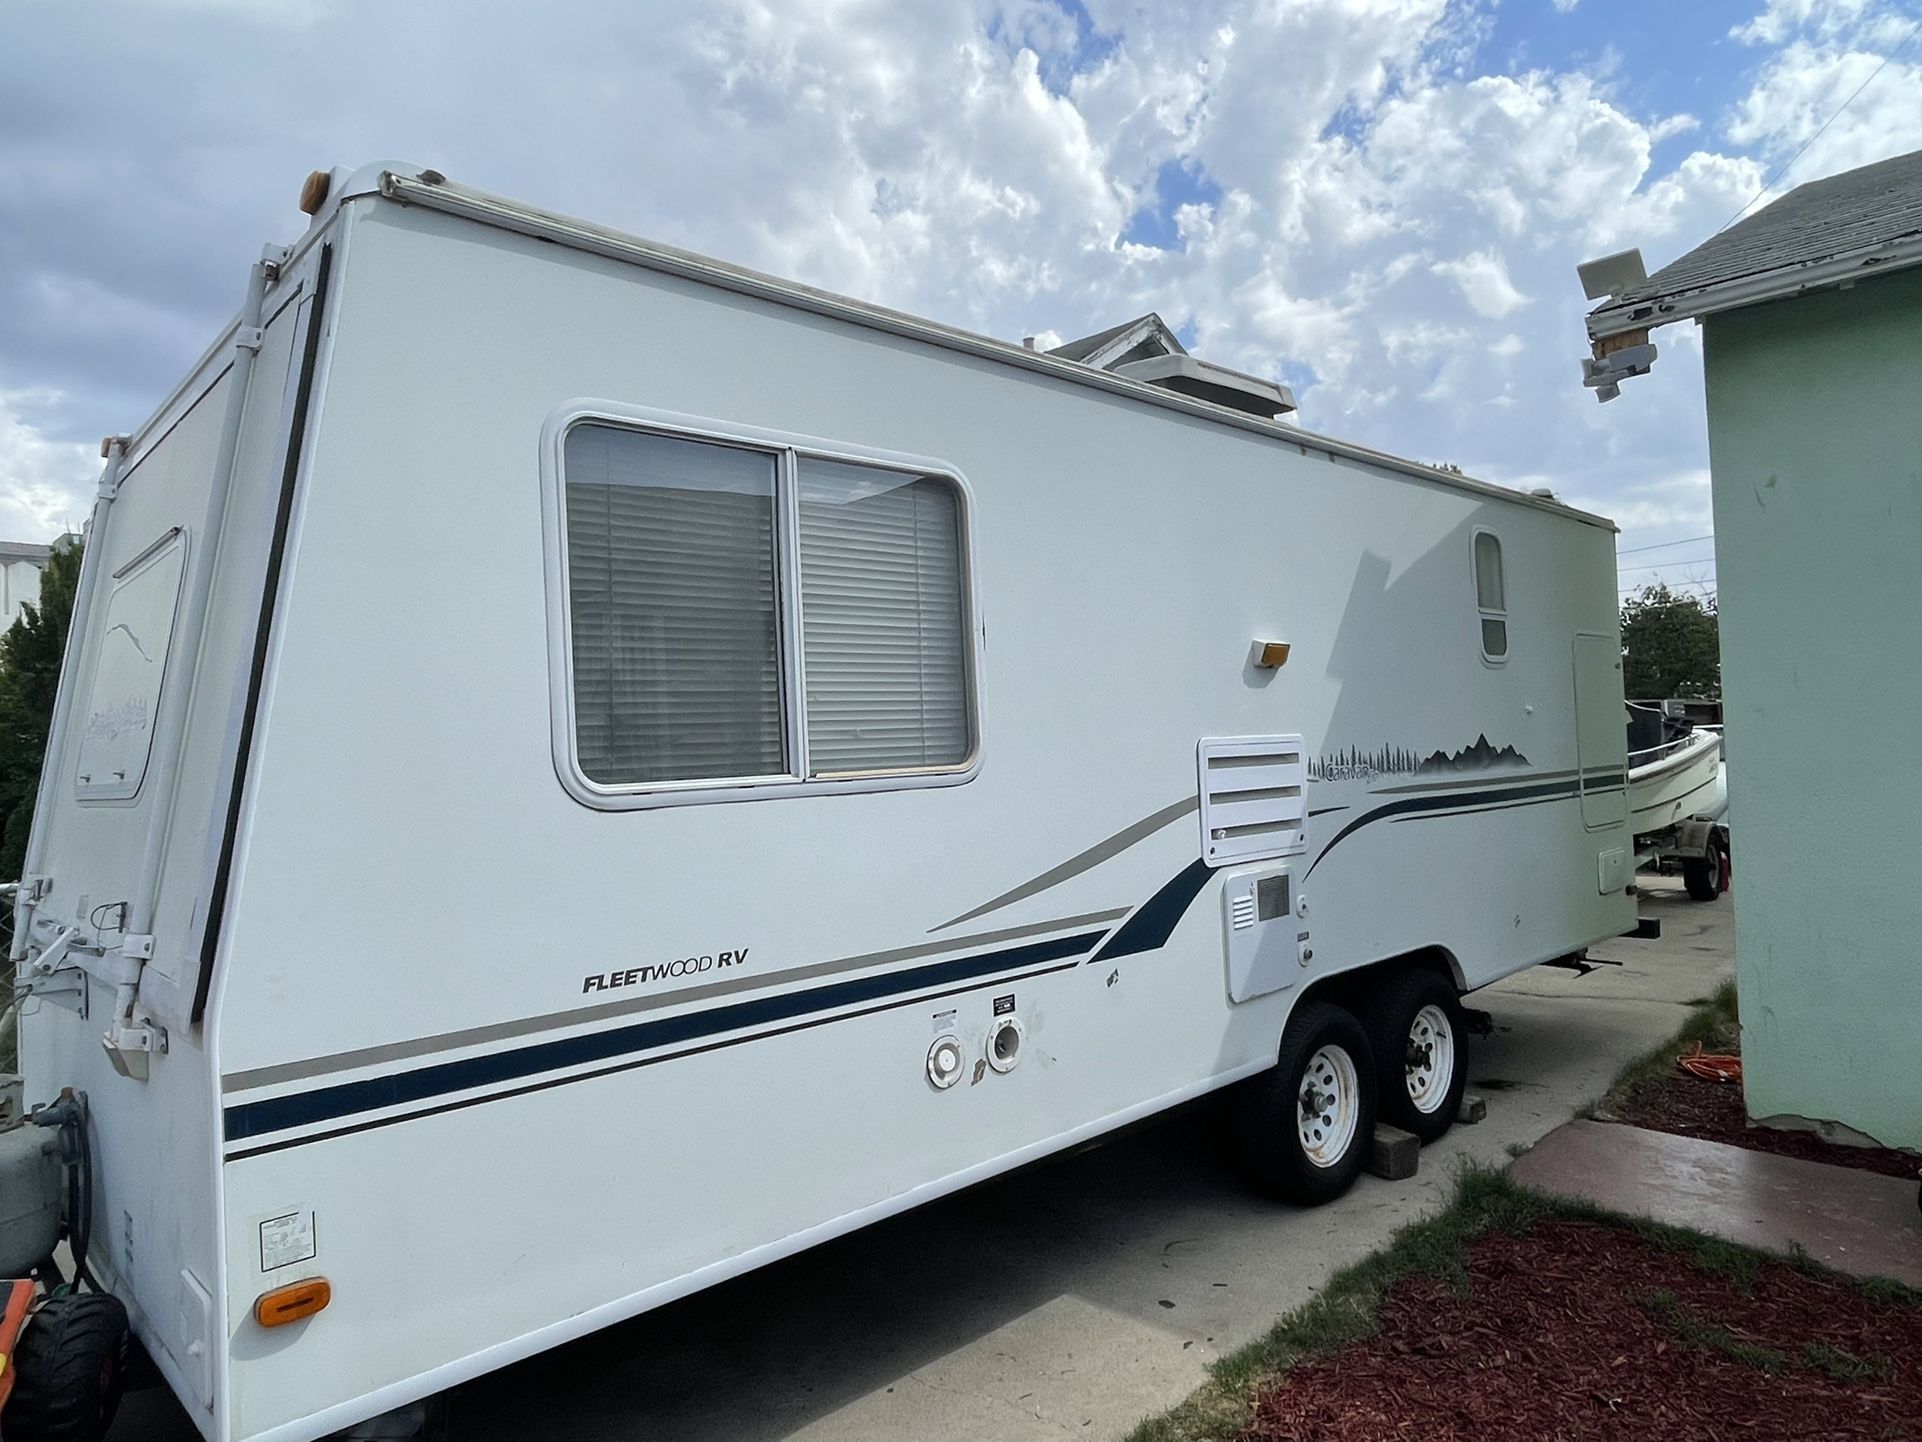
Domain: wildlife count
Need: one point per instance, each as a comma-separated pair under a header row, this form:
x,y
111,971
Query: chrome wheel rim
x,y
1329,1105
1431,1059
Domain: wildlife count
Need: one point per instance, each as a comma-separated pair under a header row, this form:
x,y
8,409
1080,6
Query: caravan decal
x,y
663,971
1353,764
621,1045
1150,927
1453,801
1084,861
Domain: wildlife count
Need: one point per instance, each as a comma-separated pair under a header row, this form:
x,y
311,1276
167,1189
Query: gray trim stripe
x,y
1474,778
524,1026
1087,860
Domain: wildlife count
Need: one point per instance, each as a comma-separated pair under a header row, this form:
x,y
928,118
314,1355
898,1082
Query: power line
x,y
1664,565
1692,573
1663,545
1686,579
1782,169
1707,588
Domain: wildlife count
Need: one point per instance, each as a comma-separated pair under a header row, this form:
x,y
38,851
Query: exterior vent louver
x,y
1254,798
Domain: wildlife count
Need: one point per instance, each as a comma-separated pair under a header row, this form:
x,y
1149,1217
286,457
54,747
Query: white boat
x,y
1675,780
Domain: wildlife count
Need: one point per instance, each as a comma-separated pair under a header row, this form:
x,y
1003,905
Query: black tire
x,y
72,1362
1702,875
1391,1017
1267,1127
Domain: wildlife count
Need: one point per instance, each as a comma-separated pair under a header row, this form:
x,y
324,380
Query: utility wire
x,y
1664,545
1708,587
1664,565
1782,169
1690,575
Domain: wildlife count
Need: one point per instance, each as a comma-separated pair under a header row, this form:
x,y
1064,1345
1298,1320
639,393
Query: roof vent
x,y
1144,349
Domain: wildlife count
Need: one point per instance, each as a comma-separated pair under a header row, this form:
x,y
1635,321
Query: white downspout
x,y
126,1043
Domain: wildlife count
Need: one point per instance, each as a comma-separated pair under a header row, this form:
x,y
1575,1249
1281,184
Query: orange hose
x,y
12,1319
1711,1066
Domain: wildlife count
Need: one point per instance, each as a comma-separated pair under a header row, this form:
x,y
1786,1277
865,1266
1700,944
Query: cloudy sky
x,y
1380,201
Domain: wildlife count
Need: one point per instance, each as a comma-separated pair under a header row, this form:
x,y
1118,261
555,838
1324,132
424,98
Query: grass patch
x,y
1740,1266
1714,1023
1846,1366
1485,1201
1685,1324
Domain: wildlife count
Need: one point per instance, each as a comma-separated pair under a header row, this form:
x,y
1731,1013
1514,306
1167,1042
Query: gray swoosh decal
x,y
1088,859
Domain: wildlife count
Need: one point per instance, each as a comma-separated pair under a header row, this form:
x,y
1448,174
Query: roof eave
x,y
1647,312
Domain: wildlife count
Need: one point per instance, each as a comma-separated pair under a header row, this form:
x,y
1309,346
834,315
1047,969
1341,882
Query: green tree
x,y
30,655
1671,645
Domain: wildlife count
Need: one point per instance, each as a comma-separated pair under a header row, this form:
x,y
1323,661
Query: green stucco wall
x,y
1815,440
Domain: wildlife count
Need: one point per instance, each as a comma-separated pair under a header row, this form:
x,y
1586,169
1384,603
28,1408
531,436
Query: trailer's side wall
x,y
154,1217
418,882
1816,443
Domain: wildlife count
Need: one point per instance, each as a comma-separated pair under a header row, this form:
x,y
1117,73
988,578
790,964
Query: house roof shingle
x,y
1830,219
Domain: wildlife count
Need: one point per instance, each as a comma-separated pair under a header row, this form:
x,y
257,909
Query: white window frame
x,y
788,450
1484,613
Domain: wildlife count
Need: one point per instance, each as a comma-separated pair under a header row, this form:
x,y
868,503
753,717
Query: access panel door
x,y
1601,734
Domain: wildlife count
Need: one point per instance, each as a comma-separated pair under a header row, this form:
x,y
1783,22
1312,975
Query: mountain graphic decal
x,y
1355,764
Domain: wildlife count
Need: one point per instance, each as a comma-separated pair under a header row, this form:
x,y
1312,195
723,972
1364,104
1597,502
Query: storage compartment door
x,y
1601,737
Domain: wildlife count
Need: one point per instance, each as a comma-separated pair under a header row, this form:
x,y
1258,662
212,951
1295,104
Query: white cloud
x,y
45,486
1375,217
1824,20
1484,282
1808,83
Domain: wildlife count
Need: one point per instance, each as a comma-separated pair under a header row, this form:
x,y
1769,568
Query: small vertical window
x,y
1491,596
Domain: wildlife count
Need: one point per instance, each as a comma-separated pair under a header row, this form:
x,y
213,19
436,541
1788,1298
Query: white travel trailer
x,y
559,730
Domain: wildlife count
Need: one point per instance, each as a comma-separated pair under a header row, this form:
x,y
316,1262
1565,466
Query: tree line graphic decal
x,y
1355,764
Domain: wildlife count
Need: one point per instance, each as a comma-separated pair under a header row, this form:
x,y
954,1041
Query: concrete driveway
x,y
1074,1298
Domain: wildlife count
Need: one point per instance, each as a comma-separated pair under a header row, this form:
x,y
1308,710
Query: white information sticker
x,y
286,1240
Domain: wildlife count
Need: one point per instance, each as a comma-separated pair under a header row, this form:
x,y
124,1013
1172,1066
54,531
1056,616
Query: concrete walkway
x,y
1072,1299
1854,1221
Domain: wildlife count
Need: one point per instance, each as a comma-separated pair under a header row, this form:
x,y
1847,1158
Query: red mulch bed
x,y
1714,1111
1557,1337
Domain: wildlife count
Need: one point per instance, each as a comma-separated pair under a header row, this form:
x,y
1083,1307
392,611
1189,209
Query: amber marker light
x,y
292,1303
313,194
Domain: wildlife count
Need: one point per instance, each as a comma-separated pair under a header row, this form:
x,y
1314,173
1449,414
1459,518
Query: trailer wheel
x,y
1307,1122
1420,1041
1705,876
71,1361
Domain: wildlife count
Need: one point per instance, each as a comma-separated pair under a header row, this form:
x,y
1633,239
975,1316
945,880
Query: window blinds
x,y
883,630
671,585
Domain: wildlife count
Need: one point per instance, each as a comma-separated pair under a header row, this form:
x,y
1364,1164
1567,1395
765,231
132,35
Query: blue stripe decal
x,y
1151,926
1446,801
253,1119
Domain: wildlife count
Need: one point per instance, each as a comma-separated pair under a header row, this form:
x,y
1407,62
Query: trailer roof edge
x,y
468,203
